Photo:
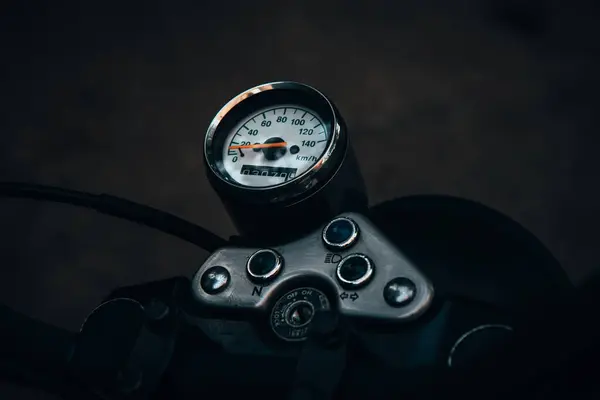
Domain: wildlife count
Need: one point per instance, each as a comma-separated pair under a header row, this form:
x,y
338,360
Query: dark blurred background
x,y
489,100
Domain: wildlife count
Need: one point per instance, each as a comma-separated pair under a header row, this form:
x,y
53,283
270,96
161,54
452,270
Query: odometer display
x,y
274,145
264,170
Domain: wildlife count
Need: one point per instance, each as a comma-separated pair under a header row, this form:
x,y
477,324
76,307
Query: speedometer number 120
x,y
274,145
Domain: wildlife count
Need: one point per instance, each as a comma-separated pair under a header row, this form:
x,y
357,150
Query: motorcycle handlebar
x,y
37,354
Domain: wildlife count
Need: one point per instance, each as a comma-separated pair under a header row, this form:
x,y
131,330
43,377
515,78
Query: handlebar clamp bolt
x,y
399,292
215,280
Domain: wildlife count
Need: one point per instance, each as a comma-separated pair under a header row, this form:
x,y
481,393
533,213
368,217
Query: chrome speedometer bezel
x,y
304,184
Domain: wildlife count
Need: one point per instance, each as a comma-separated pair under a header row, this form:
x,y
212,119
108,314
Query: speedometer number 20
x,y
274,145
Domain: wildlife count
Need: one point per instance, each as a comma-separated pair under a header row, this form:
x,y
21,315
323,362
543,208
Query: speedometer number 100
x,y
286,140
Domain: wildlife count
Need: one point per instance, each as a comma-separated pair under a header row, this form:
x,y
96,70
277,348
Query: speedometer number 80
x,y
268,147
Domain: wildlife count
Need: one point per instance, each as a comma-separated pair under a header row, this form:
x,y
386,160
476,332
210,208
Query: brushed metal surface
x,y
308,257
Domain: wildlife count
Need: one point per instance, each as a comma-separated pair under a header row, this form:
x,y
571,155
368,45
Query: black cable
x,y
120,208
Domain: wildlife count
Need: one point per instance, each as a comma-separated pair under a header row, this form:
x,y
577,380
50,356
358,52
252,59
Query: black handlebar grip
x,y
32,352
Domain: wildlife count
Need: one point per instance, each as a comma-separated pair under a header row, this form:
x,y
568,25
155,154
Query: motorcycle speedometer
x,y
277,145
274,146
275,141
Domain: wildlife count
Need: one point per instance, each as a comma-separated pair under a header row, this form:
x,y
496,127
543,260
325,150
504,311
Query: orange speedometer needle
x,y
258,146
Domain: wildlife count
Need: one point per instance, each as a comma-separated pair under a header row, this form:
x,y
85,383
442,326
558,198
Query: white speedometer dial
x,y
274,145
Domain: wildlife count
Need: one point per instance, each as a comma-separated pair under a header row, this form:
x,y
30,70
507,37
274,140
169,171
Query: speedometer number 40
x,y
274,145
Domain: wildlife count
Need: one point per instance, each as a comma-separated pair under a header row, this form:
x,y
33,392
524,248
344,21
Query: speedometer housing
x,y
280,152
273,95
